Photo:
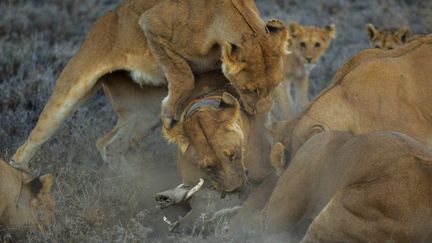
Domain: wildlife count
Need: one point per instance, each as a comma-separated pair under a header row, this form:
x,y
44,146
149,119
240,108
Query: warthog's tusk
x,y
166,220
177,195
194,189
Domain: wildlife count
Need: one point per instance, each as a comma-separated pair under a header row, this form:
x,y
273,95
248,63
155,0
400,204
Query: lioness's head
x,y
310,43
387,39
25,199
254,66
211,126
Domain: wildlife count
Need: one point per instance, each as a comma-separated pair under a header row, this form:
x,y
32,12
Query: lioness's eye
x,y
234,156
377,46
317,45
208,169
390,48
303,44
246,91
257,91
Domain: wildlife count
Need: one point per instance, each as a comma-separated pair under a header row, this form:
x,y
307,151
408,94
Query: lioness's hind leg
x,y
137,109
349,217
76,81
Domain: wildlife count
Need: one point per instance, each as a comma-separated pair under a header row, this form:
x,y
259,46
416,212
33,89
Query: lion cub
x,y
389,39
308,45
24,199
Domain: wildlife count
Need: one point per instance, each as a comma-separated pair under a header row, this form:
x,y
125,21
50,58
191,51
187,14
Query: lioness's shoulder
x,y
374,54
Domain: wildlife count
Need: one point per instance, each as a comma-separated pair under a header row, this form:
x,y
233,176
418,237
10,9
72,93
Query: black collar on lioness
x,y
211,99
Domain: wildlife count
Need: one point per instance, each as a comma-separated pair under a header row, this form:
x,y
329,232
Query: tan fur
x,y
354,188
376,90
137,108
19,203
309,44
164,43
223,142
388,39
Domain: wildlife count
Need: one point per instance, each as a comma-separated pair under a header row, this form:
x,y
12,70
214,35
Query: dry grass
x,y
94,204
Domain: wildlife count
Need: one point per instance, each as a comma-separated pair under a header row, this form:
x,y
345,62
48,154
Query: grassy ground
x,y
95,204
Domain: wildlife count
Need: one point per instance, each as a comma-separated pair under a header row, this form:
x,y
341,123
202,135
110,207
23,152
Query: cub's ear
x,y
174,133
231,58
231,107
41,185
371,31
331,30
295,29
403,34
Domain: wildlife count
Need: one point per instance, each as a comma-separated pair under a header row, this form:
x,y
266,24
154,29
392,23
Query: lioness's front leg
x,y
302,88
175,67
284,100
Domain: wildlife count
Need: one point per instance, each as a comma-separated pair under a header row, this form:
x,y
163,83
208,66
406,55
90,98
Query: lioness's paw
x,y
19,166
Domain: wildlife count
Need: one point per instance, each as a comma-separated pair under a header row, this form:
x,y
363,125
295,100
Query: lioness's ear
x,y
277,27
331,30
230,56
228,100
41,184
403,34
317,128
371,31
295,29
231,106
173,132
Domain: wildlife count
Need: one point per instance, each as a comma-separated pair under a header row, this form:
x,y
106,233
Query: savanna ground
x,y
94,203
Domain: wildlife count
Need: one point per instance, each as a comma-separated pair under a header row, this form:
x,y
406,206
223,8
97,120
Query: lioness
x,y
164,43
376,90
341,187
389,39
223,144
23,199
308,45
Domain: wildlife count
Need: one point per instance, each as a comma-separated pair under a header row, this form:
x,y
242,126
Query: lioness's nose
x,y
309,59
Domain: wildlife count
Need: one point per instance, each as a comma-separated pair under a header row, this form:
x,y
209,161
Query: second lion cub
x,y
309,44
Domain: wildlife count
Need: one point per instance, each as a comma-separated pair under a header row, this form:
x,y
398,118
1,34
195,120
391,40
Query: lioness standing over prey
x,y
164,42
308,45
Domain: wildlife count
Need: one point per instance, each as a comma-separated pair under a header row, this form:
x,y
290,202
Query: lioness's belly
x,y
151,79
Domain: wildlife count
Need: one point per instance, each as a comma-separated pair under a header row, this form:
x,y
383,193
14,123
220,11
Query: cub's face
x,y
386,39
254,66
310,43
214,133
